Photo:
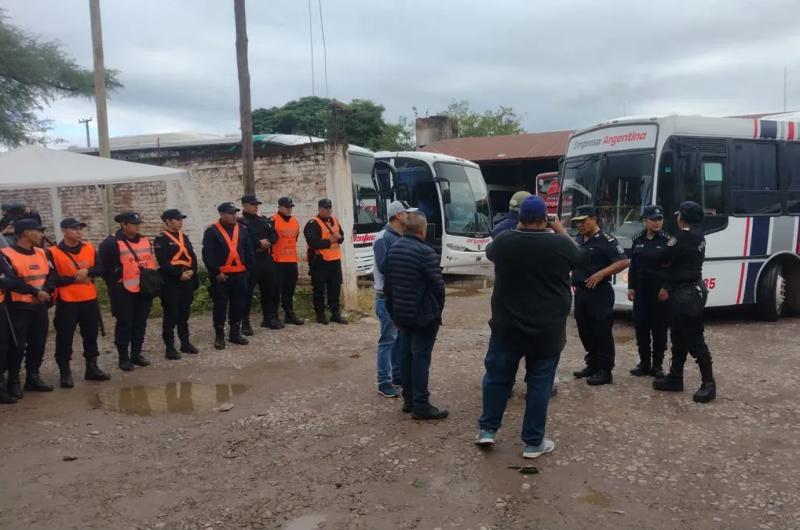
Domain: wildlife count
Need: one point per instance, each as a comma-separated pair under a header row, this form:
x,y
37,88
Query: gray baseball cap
x,y
397,207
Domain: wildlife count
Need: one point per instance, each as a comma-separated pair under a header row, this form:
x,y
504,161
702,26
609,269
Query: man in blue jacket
x,y
414,290
511,220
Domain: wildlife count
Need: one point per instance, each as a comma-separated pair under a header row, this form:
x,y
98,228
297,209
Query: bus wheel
x,y
771,293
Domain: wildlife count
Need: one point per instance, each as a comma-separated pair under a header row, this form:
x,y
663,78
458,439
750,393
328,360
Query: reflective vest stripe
x,y
182,258
285,249
334,252
76,292
32,270
142,256
234,262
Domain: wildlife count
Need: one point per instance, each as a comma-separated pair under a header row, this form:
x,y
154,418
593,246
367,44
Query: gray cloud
x,y
559,64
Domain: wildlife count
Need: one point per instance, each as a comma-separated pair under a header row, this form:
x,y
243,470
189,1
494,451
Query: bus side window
x,y
791,153
754,181
713,194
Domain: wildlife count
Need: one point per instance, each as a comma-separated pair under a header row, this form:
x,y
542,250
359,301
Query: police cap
x,y
286,202
250,199
131,218
653,212
691,212
27,224
584,212
325,203
227,207
71,222
172,213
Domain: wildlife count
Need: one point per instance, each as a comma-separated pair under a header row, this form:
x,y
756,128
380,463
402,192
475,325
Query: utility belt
x,y
689,298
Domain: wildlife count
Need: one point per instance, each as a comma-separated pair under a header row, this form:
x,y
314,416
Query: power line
x,y
324,47
311,39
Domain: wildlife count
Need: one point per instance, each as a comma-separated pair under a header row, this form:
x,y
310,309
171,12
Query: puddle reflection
x,y
172,398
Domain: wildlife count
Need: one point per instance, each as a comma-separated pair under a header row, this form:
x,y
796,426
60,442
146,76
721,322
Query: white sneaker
x,y
535,451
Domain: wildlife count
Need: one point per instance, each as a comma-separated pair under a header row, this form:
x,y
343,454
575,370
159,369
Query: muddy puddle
x,y
306,522
472,286
172,398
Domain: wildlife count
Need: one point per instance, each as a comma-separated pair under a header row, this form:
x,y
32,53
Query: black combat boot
x,y
670,383
125,363
219,337
5,397
322,318
708,390
93,373
235,335
658,365
429,413
188,347
247,328
65,379
601,377
643,368
138,359
34,383
272,323
291,318
13,385
171,353
586,372
338,318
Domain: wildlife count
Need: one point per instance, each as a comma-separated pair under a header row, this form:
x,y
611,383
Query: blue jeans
x,y
388,344
415,363
502,362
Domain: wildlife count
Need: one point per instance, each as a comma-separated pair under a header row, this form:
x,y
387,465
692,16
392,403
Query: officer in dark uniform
x,y
262,274
594,296
683,287
650,316
177,263
324,236
227,255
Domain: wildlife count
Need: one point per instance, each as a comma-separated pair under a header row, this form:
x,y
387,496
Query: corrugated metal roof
x,y
507,147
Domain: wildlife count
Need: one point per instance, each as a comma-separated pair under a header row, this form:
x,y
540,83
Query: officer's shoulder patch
x,y
672,242
609,237
663,234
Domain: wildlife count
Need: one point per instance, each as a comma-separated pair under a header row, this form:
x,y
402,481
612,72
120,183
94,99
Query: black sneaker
x,y
670,383
641,370
586,372
602,377
706,393
430,413
34,383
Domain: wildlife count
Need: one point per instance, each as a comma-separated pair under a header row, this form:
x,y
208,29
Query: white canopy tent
x,y
38,167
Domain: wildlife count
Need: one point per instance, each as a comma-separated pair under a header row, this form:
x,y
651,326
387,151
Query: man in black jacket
x,y
177,263
530,306
324,236
262,274
414,291
227,255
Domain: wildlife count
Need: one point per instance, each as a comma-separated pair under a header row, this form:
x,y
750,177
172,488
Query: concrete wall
x,y
435,129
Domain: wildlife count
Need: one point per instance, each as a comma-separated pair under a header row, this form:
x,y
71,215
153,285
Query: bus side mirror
x,y
446,198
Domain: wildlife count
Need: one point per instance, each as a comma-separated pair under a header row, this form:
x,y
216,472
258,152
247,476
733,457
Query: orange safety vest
x,y
285,249
182,258
130,263
63,262
32,270
334,252
234,262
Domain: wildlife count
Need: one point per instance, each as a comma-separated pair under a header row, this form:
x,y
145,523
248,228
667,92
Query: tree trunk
x,y
246,116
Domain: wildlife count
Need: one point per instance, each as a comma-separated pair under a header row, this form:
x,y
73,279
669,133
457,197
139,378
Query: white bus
x,y
744,172
369,207
452,194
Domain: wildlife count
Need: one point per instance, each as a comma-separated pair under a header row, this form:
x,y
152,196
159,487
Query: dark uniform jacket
x,y
94,272
13,283
215,249
109,256
260,227
414,287
603,250
682,258
165,249
645,268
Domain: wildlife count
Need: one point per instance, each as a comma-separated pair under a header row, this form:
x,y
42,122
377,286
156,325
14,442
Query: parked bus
x,y
548,188
369,207
744,172
452,194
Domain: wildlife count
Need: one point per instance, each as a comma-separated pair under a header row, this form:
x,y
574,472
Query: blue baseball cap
x,y
533,208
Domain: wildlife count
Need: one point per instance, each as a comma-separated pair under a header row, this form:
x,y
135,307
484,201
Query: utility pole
x,y
86,121
100,101
246,115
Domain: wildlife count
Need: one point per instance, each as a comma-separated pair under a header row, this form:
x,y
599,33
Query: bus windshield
x,y
369,214
618,184
467,204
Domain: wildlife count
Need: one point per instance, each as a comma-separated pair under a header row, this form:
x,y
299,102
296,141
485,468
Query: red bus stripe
x,y
791,133
744,253
755,128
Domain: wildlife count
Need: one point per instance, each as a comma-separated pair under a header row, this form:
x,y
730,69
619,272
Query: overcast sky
x,y
560,64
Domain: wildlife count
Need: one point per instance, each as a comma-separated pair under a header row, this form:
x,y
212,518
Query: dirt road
x,y
310,444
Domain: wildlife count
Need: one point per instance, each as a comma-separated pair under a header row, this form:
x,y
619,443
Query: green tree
x,y
34,73
491,123
309,115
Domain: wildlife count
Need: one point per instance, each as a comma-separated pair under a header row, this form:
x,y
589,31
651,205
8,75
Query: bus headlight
x,y
457,248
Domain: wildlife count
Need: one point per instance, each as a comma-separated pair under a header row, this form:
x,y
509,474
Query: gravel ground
x,y
289,432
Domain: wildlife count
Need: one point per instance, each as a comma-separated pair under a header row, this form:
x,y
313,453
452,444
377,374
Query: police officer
x,y
31,282
227,255
683,286
6,340
177,263
262,274
324,236
284,253
594,296
122,255
650,316
76,265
